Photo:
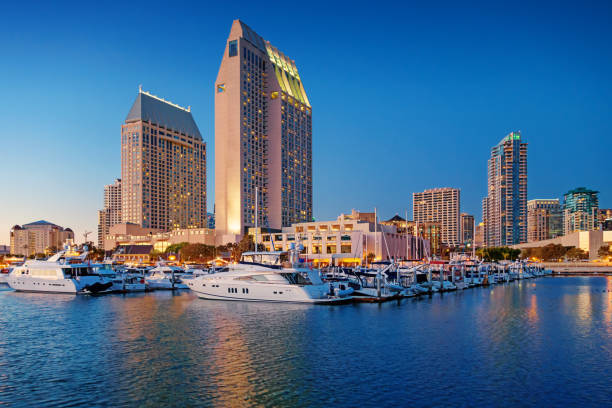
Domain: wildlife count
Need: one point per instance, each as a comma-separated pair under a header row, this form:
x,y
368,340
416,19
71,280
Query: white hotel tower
x,y
263,138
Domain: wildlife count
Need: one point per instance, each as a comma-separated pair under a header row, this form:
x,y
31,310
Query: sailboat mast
x,y
256,214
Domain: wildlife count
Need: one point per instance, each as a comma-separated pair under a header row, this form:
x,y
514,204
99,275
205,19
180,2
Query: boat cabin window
x,y
78,271
295,278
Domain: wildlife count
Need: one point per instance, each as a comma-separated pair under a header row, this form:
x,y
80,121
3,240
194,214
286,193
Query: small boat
x,y
165,277
129,282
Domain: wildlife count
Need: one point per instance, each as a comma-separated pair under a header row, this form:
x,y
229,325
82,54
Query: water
x,y
544,342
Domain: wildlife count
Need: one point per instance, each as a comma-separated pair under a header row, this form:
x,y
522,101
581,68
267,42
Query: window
x,y
233,48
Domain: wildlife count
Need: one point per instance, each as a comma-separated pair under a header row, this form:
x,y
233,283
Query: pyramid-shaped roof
x,y
156,110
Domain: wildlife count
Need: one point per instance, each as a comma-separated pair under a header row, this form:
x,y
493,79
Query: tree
x,y
246,244
369,258
175,248
604,251
197,252
576,253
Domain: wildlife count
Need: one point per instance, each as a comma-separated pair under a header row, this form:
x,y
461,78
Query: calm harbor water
x,y
544,342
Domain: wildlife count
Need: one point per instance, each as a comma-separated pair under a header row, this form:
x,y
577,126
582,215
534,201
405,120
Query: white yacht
x,y
266,277
129,282
58,275
165,277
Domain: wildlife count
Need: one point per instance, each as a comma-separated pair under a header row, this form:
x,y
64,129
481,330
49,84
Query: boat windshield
x,y
295,278
263,258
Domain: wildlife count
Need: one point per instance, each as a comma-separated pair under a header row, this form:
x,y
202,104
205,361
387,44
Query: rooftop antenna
x,y
140,88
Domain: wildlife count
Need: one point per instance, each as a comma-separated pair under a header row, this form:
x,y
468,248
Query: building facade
x,y
163,166
263,138
110,214
346,241
131,234
603,215
505,207
38,237
479,233
440,205
580,210
467,229
544,219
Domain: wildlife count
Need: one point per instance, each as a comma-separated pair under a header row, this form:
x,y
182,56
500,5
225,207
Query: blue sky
x,y
405,97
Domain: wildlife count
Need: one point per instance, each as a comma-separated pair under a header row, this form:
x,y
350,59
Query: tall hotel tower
x,y
163,166
504,210
263,137
439,205
111,213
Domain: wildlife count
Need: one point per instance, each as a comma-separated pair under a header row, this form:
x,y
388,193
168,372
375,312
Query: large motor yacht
x,y
58,274
267,277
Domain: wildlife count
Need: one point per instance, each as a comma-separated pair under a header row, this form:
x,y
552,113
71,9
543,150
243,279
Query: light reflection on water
x,y
540,342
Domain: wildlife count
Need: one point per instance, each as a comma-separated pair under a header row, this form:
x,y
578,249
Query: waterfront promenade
x,y
579,268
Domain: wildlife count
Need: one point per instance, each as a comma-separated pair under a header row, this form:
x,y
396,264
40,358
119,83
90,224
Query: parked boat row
x,y
269,277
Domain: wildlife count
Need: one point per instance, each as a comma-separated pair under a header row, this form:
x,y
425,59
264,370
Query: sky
x,y
405,96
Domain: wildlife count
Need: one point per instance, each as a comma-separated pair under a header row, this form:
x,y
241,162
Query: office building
x,y
603,215
163,166
505,207
580,210
479,233
439,205
544,220
263,138
467,229
110,214
38,237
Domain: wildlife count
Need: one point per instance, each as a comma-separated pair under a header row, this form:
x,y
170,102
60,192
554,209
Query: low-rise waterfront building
x,y
133,234
348,240
38,237
430,232
588,241
135,254
544,219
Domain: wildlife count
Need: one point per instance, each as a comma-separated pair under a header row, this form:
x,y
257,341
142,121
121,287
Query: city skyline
x,y
424,128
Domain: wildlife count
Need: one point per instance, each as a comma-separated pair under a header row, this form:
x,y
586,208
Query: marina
x,y
519,344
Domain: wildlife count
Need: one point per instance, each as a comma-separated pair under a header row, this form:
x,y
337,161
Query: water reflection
x,y
508,345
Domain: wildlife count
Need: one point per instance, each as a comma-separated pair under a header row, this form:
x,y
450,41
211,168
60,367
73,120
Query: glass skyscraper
x,y
580,209
505,207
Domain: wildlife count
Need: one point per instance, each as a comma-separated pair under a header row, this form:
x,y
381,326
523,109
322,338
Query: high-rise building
x,y
110,214
163,166
479,232
505,207
603,214
544,219
580,210
263,137
439,205
38,237
467,229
